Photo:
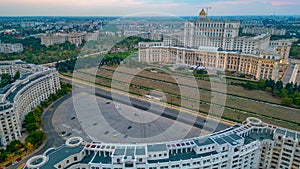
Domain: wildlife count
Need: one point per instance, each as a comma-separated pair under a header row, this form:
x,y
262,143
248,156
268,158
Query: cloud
x,y
284,2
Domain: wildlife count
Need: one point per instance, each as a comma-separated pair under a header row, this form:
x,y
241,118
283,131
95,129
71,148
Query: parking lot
x,y
98,119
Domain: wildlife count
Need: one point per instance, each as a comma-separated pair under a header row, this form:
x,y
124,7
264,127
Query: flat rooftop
x,y
60,154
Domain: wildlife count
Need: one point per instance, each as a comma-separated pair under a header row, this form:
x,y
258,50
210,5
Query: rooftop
x,y
59,155
204,141
258,136
157,147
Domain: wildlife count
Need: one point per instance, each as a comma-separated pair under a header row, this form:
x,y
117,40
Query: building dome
x,y
202,13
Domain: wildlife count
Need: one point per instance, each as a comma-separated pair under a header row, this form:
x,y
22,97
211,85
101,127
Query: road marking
x,y
66,126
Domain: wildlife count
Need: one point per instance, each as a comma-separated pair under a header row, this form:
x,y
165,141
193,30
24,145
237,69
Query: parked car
x,y
63,133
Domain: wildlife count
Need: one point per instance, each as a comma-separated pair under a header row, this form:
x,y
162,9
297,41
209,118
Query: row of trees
x,y
129,43
33,120
290,93
15,147
93,61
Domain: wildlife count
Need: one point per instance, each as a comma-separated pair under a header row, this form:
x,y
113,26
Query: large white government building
x,y
217,45
35,84
253,145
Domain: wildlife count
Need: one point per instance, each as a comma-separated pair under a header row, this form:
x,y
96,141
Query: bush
x,y
287,101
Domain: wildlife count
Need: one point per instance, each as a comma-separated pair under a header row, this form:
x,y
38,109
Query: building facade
x,y
11,48
19,98
217,45
262,30
49,40
204,32
75,38
283,47
262,66
252,145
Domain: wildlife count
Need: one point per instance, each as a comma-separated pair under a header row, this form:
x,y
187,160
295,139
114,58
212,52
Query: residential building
x,y
19,98
72,37
262,30
49,40
10,48
252,145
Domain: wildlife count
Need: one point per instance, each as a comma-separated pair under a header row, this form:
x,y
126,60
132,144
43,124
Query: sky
x,y
146,7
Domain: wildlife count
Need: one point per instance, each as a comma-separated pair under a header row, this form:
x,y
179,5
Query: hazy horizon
x,y
164,7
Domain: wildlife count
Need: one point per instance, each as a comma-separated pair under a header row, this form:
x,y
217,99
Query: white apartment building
x,y
263,30
72,37
10,48
252,145
52,40
19,98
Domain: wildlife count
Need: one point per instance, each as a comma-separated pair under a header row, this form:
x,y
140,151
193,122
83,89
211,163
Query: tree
x,y
36,138
283,93
270,83
14,146
269,89
29,147
31,127
279,85
10,157
3,156
297,101
17,76
287,101
262,84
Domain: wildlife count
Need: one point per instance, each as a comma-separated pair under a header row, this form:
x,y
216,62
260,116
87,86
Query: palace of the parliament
x,y
217,45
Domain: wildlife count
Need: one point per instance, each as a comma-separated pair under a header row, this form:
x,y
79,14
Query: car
x,y
8,164
107,101
14,163
63,133
72,118
129,127
19,159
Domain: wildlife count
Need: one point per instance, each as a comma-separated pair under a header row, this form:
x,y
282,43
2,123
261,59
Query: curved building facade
x,y
19,98
254,144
